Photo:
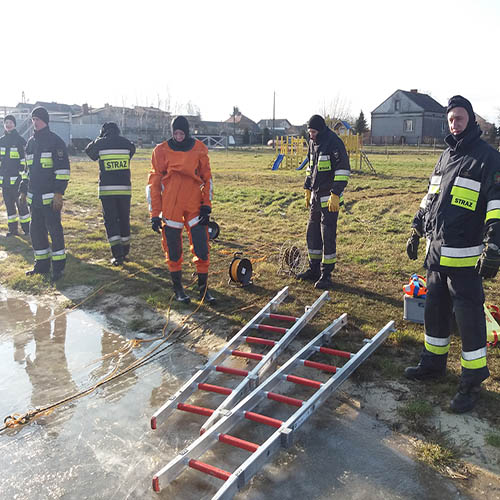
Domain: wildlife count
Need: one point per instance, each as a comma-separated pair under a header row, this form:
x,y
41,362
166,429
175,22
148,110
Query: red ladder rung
x,y
209,469
239,443
303,381
199,410
335,352
249,355
320,366
262,419
284,399
269,328
231,371
215,388
258,340
282,317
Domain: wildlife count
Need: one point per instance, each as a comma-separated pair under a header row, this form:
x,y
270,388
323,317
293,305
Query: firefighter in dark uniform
x,y
460,218
114,153
327,174
47,165
11,170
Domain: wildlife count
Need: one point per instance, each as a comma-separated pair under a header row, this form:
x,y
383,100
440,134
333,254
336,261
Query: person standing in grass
x,y
179,194
114,153
47,177
11,169
327,175
460,219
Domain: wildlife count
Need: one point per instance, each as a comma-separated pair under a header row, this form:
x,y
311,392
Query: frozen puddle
x,y
101,446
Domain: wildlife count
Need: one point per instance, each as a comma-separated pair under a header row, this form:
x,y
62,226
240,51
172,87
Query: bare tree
x,y
339,108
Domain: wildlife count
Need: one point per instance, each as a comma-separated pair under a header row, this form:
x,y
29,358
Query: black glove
x,y
205,211
156,224
412,244
489,261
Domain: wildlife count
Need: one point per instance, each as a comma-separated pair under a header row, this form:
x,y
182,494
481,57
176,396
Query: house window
x,y
397,105
408,127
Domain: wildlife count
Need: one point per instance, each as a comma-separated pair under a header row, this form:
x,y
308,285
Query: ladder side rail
x,y
203,373
232,417
283,437
254,377
338,378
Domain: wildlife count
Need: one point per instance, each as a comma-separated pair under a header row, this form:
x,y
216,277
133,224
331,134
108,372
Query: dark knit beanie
x,y
110,128
181,123
316,122
41,113
457,101
11,118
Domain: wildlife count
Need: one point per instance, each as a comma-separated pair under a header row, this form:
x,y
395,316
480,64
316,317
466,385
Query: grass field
x,y
258,211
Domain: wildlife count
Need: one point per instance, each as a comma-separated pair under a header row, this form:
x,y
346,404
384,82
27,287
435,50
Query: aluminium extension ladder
x,y
284,434
252,378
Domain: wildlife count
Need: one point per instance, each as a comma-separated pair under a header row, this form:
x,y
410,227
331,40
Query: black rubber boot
x,y
419,372
205,294
180,294
324,283
34,271
466,397
311,274
12,233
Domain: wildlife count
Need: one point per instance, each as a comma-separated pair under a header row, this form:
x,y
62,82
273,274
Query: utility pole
x,y
274,110
234,124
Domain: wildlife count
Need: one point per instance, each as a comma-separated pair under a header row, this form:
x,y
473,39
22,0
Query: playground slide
x,y
277,162
303,164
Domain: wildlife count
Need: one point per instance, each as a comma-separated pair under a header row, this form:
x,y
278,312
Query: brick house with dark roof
x,y
409,118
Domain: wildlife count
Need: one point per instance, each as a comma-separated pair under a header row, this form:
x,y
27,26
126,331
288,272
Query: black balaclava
x,y
11,118
181,123
457,101
109,128
318,123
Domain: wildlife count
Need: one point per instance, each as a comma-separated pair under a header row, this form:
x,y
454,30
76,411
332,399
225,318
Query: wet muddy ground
x,y
101,446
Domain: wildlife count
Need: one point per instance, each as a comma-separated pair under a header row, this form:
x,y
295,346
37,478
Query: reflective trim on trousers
x,y
125,239
24,218
474,359
42,254
437,345
315,254
114,240
12,218
59,255
329,259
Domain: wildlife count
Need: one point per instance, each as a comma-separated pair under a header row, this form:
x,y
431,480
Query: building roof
x,y
425,101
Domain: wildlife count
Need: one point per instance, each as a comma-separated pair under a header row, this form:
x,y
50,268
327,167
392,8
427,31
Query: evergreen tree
x,y
361,125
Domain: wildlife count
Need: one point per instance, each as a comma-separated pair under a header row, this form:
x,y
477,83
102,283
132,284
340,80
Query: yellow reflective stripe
x,y
46,162
474,364
59,255
466,193
437,349
493,210
324,166
458,261
329,259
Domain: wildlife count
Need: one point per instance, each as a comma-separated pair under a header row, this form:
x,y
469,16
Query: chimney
x,y
414,91
85,109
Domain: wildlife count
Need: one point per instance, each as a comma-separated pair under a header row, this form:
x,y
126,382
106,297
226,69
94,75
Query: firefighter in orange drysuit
x,y
179,193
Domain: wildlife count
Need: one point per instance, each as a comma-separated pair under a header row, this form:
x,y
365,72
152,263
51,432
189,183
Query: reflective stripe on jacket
x,y
461,210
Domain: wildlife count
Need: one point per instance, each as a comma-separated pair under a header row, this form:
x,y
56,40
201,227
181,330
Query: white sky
x,y
220,54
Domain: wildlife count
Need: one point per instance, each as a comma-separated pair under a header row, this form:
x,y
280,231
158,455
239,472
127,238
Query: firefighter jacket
x,y
47,167
11,158
461,210
114,153
328,169
179,178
